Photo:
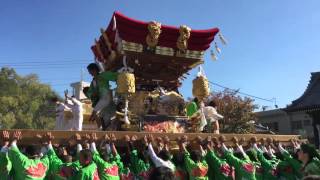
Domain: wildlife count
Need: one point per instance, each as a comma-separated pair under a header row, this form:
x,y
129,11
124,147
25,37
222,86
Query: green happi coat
x,y
245,169
196,170
218,167
56,167
5,164
107,171
294,163
312,168
101,85
269,167
25,168
140,168
89,172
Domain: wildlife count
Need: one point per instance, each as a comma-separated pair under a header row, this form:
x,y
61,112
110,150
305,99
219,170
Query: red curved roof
x,y
136,31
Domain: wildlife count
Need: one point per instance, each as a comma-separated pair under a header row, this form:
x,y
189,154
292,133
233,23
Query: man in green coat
x,y
196,167
218,167
244,168
99,91
32,167
5,163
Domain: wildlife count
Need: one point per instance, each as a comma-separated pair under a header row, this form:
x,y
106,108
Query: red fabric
x,y
37,171
113,171
248,167
199,171
133,30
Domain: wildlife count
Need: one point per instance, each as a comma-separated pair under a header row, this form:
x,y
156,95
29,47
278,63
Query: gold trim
x,y
113,54
164,51
130,46
154,33
182,42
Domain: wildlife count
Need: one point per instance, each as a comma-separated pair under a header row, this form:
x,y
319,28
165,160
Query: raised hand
x,y
94,137
134,138
113,138
127,139
17,135
5,138
222,139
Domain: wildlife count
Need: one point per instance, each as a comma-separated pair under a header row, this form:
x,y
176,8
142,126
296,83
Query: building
x,y
280,122
77,88
302,116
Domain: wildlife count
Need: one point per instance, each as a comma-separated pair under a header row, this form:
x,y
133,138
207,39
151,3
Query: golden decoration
x,y
200,88
182,42
99,50
113,54
126,83
154,33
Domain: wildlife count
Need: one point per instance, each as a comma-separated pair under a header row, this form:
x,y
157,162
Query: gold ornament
x,y
154,33
200,88
112,54
126,83
182,42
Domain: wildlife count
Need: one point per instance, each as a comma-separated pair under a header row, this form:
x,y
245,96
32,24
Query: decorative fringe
x,y
213,55
217,48
222,39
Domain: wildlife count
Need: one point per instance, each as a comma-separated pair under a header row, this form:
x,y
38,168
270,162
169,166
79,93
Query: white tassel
x,y
222,39
213,56
217,48
114,23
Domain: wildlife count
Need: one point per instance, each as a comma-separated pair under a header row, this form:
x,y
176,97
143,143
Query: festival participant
x,y
61,124
140,167
32,167
212,117
244,168
5,163
192,107
107,170
164,155
197,168
269,164
310,159
162,173
218,167
77,112
100,89
294,163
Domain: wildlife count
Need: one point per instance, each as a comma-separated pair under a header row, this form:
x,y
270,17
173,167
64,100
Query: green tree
x,y
237,112
24,102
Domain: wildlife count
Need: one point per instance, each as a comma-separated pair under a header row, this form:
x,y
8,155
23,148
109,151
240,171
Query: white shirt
x,y
158,162
211,114
60,115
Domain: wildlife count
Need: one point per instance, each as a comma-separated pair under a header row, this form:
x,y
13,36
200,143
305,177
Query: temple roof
x,y
164,63
310,99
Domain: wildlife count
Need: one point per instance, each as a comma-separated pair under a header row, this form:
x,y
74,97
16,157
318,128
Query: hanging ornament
x,y
213,56
222,39
217,48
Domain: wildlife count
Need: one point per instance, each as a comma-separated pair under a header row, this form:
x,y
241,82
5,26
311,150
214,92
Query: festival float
x,y
152,60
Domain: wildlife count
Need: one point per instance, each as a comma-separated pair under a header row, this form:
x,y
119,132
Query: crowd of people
x,y
90,158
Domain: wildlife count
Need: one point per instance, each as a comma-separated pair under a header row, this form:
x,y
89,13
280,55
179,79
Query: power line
x,y
245,94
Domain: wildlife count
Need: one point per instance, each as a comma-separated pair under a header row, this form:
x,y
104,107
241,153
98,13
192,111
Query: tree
x,y
238,112
24,102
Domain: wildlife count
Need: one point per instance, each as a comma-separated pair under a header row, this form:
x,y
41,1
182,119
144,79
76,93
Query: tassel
x,y
217,48
114,23
213,56
222,39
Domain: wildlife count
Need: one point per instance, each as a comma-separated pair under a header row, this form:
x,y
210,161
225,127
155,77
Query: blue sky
x,y
273,45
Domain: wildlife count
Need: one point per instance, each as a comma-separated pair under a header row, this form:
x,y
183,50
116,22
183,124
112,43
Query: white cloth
x,y
211,114
158,162
60,121
77,109
103,102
